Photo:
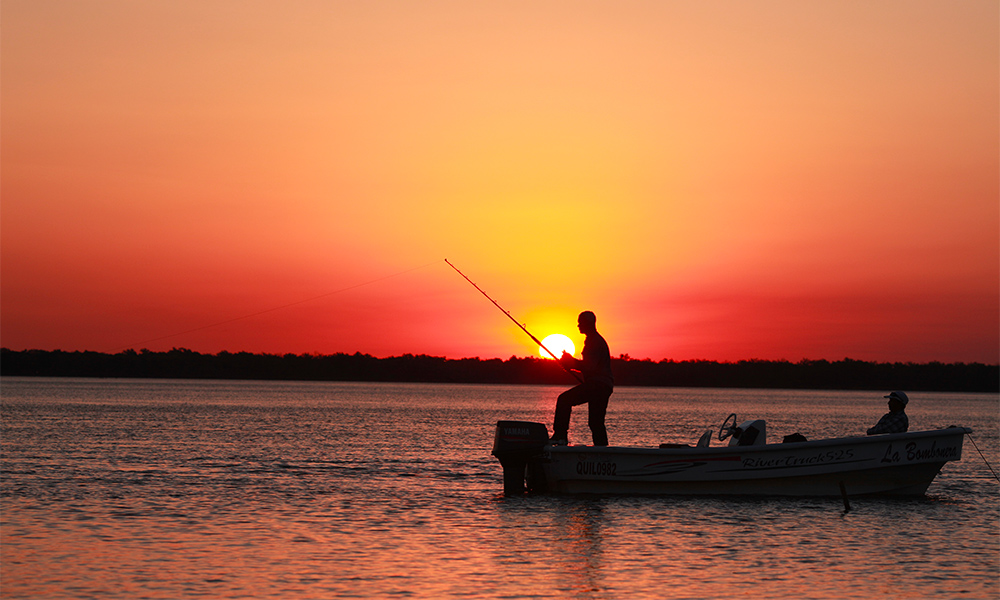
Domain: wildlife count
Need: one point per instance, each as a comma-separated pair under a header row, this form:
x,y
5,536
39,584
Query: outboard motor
x,y
749,433
514,444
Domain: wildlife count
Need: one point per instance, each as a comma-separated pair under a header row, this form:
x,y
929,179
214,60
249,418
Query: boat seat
x,y
705,439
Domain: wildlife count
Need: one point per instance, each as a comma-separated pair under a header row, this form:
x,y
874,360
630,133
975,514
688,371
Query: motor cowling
x,y
514,443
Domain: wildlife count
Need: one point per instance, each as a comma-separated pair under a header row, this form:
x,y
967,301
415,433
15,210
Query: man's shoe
x,y
554,441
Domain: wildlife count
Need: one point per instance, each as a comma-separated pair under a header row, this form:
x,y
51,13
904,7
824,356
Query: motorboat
x,y
899,464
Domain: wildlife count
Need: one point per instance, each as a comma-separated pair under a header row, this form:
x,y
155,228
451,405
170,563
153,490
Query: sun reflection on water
x,y
317,490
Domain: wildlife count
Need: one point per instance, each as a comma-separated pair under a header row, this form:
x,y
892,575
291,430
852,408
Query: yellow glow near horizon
x,y
557,343
714,180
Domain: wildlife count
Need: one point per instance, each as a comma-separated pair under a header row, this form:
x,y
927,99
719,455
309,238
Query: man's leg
x,y
597,407
564,409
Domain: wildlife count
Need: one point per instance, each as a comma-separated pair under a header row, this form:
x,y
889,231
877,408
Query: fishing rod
x,y
523,328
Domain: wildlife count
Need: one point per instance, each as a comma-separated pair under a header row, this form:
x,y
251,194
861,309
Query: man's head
x,y
587,322
897,401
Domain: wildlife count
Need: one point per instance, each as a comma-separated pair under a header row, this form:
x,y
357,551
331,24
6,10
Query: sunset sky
x,y
717,180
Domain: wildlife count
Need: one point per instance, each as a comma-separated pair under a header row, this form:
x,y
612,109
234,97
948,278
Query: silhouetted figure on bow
x,y
894,421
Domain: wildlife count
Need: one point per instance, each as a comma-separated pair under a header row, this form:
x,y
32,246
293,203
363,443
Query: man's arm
x,y
571,363
889,423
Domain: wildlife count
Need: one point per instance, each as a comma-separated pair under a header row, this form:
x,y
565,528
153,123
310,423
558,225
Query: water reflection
x,y
595,547
164,490
582,527
563,537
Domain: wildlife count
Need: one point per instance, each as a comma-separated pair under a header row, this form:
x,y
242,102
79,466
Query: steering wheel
x,y
727,430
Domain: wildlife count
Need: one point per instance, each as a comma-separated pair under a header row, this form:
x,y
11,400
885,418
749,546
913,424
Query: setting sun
x,y
717,180
557,343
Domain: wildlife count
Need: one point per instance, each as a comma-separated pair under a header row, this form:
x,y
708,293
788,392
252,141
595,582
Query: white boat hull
x,y
894,464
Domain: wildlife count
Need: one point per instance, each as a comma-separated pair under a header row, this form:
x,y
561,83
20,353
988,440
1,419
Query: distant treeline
x,y
181,363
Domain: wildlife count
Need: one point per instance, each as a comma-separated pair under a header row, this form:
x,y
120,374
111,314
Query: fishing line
x,y
283,306
511,317
984,456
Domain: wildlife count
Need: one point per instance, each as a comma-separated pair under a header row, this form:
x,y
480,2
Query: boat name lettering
x,y
799,460
596,468
912,453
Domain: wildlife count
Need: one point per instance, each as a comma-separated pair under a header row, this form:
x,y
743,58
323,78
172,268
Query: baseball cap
x,y
898,396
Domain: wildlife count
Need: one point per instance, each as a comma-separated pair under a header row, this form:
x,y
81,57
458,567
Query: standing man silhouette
x,y
598,384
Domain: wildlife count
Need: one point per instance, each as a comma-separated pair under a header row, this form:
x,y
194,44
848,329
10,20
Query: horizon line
x,y
623,356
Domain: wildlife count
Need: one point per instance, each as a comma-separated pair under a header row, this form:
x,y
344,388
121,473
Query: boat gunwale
x,y
780,446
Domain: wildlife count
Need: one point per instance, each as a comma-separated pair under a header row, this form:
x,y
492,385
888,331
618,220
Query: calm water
x,y
170,489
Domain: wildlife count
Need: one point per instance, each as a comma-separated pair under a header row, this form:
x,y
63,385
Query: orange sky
x,y
715,179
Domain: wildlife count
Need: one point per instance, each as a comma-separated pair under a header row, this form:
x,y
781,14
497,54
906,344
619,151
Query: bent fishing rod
x,y
523,328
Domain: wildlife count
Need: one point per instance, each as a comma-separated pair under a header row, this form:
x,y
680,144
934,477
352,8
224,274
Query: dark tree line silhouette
x,y
181,363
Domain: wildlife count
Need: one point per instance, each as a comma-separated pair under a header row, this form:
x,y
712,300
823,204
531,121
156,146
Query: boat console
x,y
750,433
747,433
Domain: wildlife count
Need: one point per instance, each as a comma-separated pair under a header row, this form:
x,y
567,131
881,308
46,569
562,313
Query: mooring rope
x,y
984,456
